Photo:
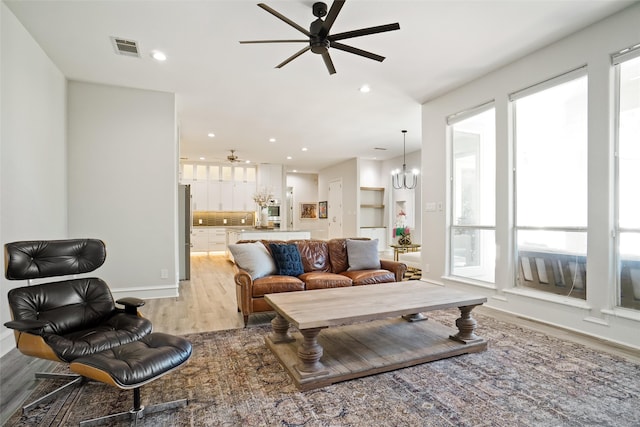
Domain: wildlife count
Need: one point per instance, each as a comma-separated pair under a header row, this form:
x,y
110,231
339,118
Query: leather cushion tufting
x,y
81,316
134,364
34,259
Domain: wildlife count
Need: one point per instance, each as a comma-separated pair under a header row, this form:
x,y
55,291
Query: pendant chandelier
x,y
404,179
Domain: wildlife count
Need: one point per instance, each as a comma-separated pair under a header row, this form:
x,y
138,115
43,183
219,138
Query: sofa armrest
x,y
397,268
244,284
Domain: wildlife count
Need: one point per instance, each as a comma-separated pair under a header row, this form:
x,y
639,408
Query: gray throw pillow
x,y
254,258
363,254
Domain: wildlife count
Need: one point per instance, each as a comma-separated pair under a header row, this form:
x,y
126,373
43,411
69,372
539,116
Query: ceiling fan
x,y
319,38
232,158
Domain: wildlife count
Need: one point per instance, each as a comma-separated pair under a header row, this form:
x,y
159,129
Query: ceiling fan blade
x,y
329,63
331,17
292,57
364,32
273,41
285,19
357,51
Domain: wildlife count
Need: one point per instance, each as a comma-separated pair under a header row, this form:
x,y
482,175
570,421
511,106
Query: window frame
x,y
451,121
519,264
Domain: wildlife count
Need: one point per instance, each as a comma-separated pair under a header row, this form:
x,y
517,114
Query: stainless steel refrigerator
x,y
184,237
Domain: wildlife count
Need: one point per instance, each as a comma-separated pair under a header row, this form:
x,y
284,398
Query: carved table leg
x,y
309,354
466,326
280,332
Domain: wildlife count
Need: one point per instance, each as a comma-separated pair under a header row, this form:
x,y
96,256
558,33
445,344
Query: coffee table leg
x,y
414,317
280,333
309,354
466,326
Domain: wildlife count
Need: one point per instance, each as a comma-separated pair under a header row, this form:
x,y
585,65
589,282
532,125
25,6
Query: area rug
x,y
525,378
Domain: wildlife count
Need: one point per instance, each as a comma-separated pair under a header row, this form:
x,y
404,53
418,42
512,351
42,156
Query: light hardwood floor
x,y
207,302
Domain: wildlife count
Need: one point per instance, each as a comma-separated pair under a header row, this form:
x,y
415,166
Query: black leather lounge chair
x,y
75,321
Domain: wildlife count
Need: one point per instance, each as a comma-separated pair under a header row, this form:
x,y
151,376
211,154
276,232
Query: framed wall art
x,y
308,211
322,210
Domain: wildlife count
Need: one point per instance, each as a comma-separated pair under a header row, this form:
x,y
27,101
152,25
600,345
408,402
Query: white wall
x,y
305,190
123,158
592,46
33,195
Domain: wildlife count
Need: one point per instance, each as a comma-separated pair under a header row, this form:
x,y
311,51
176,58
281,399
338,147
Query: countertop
x,y
263,230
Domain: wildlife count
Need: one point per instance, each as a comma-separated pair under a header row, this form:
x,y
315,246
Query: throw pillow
x,y
254,258
363,254
287,258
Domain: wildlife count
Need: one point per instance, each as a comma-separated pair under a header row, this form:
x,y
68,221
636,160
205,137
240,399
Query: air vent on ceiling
x,y
125,47
380,148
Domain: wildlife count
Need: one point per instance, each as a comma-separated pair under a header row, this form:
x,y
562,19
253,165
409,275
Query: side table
x,y
401,249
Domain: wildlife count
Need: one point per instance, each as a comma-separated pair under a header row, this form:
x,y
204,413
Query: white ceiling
x,y
234,90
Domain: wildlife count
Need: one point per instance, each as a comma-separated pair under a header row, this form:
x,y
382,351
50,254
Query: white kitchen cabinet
x,y
199,196
217,239
199,239
272,177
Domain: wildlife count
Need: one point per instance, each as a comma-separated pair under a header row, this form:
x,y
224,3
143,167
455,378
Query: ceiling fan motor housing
x,y
319,9
318,43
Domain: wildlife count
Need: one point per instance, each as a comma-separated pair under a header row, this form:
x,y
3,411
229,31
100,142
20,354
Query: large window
x,y
628,200
550,136
473,194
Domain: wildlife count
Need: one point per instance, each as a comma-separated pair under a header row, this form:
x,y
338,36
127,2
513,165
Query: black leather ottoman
x,y
132,365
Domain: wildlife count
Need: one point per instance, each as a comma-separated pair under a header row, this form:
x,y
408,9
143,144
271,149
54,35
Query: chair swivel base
x,y
137,413
75,380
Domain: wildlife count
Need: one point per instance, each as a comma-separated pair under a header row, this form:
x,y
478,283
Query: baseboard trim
x,y
147,292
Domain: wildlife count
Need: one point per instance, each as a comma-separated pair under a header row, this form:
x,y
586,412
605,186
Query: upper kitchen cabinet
x,y
272,178
220,187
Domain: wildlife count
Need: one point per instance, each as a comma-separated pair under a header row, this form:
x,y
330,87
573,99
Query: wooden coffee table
x,y
367,330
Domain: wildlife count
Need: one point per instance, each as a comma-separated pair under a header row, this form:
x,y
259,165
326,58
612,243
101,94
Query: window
x,y
628,174
550,136
473,194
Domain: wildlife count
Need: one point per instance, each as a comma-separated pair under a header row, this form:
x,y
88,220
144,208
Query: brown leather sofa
x,y
325,265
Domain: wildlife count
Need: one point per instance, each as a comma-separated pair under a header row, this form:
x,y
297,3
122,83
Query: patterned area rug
x,y
525,378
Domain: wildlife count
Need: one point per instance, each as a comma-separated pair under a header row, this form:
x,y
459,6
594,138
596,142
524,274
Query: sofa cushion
x,y
369,277
276,284
314,254
363,254
253,258
338,255
287,259
322,280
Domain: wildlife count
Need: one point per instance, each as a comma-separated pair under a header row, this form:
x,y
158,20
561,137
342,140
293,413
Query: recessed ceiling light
x,y
289,157
304,148
272,140
295,170
158,56
365,89
247,161
202,158
211,135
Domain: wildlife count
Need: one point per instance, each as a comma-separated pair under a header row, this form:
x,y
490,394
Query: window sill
x,y
623,313
471,282
544,296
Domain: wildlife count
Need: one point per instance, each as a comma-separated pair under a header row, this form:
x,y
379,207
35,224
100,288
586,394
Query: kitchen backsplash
x,y
223,218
